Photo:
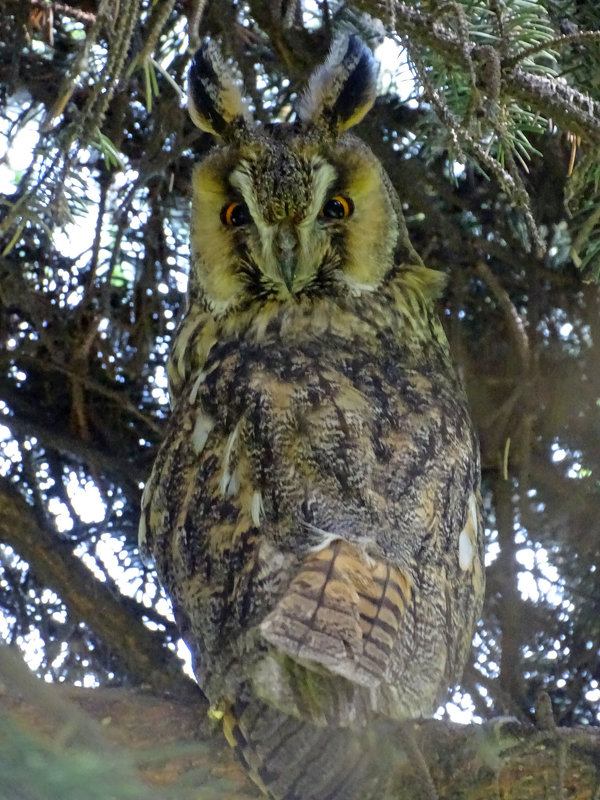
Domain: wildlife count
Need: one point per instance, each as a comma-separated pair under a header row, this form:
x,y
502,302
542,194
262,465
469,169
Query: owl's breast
x,y
273,452
371,433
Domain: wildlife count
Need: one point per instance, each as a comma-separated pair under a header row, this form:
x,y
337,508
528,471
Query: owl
x,y
314,509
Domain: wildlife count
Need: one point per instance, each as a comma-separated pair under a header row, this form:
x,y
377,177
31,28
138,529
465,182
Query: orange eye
x,y
337,207
235,214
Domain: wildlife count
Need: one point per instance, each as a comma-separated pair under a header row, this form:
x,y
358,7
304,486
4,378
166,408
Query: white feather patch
x,y
233,485
146,493
326,537
195,388
323,176
256,508
466,553
468,537
356,287
181,346
202,428
142,531
226,476
473,510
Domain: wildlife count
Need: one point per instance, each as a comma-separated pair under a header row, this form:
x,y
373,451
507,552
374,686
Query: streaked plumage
x,y
314,509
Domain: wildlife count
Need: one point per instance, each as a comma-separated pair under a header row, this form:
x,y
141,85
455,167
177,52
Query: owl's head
x,y
291,210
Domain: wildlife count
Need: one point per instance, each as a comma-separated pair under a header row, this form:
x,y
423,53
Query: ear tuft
x,y
343,89
215,102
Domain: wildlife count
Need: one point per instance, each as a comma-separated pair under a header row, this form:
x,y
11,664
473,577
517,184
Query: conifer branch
x,y
550,97
552,44
140,651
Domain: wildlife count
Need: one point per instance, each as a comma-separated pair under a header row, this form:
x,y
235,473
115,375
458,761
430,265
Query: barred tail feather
x,y
293,760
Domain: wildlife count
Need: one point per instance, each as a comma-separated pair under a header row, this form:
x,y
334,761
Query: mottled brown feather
x,y
342,611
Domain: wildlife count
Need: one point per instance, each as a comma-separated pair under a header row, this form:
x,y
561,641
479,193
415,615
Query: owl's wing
x,y
342,611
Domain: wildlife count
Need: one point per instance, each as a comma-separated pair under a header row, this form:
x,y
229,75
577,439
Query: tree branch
x,y
551,97
128,475
84,17
173,748
140,651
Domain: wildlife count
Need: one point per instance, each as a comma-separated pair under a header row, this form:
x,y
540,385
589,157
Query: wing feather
x,y
343,612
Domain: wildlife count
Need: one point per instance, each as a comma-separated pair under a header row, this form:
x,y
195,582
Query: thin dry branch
x,y
85,17
514,320
129,475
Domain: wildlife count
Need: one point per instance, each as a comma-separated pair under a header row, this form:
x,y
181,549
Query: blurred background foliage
x,y
489,125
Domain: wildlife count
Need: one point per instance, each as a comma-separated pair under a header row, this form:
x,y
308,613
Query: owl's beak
x,y
287,265
286,243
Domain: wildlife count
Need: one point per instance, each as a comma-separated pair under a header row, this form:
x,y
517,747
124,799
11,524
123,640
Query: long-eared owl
x,y
314,509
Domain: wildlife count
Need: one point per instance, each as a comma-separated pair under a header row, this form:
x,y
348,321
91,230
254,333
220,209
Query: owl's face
x,y
289,210
282,215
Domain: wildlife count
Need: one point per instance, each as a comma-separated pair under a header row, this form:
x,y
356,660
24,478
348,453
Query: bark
x,y
163,747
